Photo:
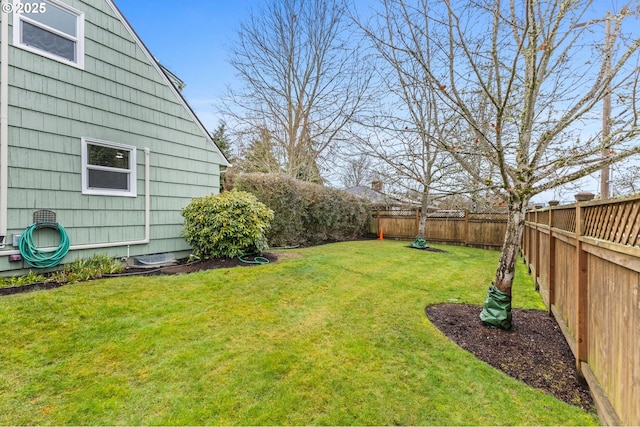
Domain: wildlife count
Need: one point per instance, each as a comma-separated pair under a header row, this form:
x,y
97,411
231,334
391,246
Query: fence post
x,y
527,241
418,222
552,257
377,222
536,251
582,322
466,227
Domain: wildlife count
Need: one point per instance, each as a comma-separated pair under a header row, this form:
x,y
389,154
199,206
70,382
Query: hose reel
x,y
40,258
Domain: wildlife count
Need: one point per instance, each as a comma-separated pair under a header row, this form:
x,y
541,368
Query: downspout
x,y
4,125
147,219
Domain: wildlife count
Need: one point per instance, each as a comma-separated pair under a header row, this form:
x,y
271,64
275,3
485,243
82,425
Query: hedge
x,y
306,213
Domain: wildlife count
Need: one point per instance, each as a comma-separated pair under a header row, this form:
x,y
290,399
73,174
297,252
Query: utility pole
x,y
606,111
606,102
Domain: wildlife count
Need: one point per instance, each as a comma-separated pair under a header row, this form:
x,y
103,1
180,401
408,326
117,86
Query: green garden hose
x,y
256,260
43,258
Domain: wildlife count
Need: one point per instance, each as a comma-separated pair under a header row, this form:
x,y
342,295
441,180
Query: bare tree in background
x,y
627,180
401,152
303,80
544,70
357,171
400,133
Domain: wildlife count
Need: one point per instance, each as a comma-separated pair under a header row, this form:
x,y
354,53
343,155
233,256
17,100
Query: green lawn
x,y
331,335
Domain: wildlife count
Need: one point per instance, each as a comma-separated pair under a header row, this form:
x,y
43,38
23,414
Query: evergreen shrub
x,y
306,213
226,225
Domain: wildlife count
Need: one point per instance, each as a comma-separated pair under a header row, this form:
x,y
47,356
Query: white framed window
x,y
108,168
50,28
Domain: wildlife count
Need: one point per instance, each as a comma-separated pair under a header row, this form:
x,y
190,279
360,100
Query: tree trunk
x,y
424,211
420,242
497,307
511,246
422,224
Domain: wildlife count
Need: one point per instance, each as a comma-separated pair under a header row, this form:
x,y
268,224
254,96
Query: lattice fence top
x,y
615,222
446,214
396,212
489,216
543,217
564,219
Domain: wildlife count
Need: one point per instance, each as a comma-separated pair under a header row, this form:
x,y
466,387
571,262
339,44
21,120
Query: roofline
x,y
181,84
160,69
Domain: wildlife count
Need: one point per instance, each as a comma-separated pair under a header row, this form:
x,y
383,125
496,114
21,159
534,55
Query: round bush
x,y
226,225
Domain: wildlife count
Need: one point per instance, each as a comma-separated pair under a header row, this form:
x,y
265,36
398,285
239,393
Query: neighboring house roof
x,y
167,76
379,199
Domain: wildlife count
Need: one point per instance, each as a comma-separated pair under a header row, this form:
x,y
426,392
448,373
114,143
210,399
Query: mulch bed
x,y
533,350
207,264
428,249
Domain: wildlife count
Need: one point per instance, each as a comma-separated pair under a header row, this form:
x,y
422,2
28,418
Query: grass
x,y
331,335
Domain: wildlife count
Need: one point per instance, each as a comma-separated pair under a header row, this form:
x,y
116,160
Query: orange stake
x,y
380,237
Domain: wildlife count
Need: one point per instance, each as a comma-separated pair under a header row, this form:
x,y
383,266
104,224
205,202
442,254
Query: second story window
x,y
52,29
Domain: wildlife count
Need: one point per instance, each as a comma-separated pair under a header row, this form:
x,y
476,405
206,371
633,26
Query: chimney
x,y
376,185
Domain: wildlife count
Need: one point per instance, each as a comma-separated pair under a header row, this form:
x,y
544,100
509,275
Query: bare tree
x,y
542,73
627,179
400,133
303,80
356,171
401,153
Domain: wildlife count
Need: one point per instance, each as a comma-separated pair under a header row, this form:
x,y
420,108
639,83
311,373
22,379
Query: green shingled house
x,y
94,132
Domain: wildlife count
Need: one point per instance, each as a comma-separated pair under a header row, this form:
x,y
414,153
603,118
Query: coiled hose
x,y
256,259
43,258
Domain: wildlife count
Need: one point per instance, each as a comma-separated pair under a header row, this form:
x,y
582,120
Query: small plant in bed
x,y
76,271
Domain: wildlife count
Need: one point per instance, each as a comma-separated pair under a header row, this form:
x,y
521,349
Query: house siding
x,y
120,97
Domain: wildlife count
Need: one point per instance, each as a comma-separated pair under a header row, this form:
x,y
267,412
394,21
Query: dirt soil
x,y
208,264
533,350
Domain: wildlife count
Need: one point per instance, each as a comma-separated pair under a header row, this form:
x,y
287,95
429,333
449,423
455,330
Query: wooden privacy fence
x,y
585,259
483,230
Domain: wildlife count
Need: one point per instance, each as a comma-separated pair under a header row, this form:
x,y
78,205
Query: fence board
x,y
565,282
543,253
614,346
